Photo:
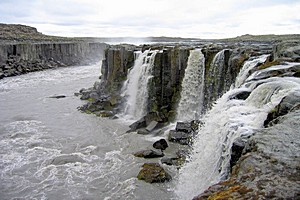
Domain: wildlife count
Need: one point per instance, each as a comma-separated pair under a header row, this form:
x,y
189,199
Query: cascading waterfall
x,y
191,101
135,89
247,67
228,120
216,72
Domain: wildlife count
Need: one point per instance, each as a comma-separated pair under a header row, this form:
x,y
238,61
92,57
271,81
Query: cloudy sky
x,y
141,18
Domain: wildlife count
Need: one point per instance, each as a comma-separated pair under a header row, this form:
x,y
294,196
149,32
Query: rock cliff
x,y
16,59
23,49
222,64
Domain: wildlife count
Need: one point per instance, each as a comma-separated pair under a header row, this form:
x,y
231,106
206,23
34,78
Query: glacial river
x,y
50,150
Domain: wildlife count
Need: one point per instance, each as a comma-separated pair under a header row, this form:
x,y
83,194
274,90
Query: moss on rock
x,y
153,173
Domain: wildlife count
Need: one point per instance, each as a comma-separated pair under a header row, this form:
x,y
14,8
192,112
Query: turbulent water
x,y
135,88
49,150
191,101
229,119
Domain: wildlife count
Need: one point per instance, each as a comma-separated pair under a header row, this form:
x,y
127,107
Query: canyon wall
x,y
20,58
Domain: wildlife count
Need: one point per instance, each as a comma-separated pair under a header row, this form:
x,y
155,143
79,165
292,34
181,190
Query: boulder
x,y
153,173
160,144
141,123
170,161
149,154
58,96
153,116
105,113
184,127
180,137
152,126
143,131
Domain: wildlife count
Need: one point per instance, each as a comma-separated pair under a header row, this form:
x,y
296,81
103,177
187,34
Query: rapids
x,y
50,150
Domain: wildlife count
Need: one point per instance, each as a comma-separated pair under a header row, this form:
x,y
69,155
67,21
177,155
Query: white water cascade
x,y
247,67
190,104
228,120
135,89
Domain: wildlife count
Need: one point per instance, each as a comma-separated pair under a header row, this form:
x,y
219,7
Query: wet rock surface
x,y
184,132
153,173
160,144
150,153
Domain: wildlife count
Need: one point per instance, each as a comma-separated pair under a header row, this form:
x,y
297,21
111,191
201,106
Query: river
x,y
50,150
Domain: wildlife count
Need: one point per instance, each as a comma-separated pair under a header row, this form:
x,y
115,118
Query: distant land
x,y
17,33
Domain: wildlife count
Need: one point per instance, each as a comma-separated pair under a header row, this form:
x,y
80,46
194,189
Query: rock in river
x,y
160,144
153,173
149,154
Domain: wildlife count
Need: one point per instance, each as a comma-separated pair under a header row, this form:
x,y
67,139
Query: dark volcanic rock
x,y
184,132
58,96
153,173
184,127
180,137
236,151
142,131
152,126
149,154
243,95
138,124
169,161
160,144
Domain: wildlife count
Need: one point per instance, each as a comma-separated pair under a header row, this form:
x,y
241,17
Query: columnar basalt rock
x,y
117,61
20,58
222,64
165,86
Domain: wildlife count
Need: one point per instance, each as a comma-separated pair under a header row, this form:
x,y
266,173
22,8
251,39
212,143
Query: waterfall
x,y
228,120
216,74
191,101
247,67
135,89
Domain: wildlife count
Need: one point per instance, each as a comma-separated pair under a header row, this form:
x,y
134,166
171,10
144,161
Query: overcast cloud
x,y
141,18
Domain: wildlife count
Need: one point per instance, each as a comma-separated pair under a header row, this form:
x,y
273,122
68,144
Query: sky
x,y
206,19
